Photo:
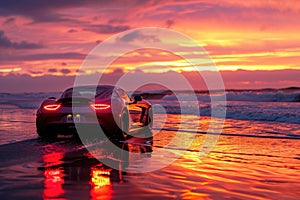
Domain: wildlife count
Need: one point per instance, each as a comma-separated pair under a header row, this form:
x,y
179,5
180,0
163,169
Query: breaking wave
x,y
279,105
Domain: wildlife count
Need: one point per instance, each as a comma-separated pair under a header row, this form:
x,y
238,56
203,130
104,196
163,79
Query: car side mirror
x,y
51,98
137,98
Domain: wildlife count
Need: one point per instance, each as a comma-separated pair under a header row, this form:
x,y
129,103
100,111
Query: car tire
x,y
45,133
124,126
149,124
150,119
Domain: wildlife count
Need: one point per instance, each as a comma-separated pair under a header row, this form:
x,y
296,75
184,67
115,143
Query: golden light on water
x,y
100,177
101,186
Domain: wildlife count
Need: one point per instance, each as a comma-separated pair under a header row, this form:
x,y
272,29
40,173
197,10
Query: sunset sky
x,y
254,44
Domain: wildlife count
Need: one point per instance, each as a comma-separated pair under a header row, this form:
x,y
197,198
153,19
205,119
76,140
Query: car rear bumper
x,y
58,124
69,129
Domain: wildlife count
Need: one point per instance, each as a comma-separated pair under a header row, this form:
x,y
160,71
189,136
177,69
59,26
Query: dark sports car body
x,y
89,106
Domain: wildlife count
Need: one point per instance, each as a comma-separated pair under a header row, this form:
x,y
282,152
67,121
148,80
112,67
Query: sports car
x,y
90,106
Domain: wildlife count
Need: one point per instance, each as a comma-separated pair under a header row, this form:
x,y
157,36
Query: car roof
x,y
92,87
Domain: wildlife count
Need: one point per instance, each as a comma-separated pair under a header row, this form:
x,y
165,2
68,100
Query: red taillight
x,y
52,107
100,106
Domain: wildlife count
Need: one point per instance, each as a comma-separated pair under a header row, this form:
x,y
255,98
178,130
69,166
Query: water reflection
x,y
53,183
78,168
101,184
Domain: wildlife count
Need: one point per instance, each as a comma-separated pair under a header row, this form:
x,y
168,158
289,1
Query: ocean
x,y
256,154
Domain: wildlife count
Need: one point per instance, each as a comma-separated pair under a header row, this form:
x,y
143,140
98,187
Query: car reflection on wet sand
x,y
80,169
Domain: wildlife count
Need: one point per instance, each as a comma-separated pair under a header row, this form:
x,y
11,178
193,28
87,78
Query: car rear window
x,y
88,92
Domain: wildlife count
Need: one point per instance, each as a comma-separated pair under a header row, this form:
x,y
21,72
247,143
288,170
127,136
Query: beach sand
x,y
241,166
238,167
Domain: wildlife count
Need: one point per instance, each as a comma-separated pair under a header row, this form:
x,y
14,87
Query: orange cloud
x,y
250,35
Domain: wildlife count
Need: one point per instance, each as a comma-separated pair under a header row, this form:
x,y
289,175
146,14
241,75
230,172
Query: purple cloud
x,y
65,71
5,42
72,31
39,11
137,35
52,70
106,28
44,56
169,23
9,20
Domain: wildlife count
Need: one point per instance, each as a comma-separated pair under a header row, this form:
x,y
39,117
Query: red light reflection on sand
x,y
100,182
54,177
53,159
53,183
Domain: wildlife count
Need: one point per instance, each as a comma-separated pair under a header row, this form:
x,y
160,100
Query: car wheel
x,y
45,133
40,132
124,126
150,119
149,124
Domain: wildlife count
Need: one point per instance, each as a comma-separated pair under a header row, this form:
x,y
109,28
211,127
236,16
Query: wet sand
x,y
238,167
